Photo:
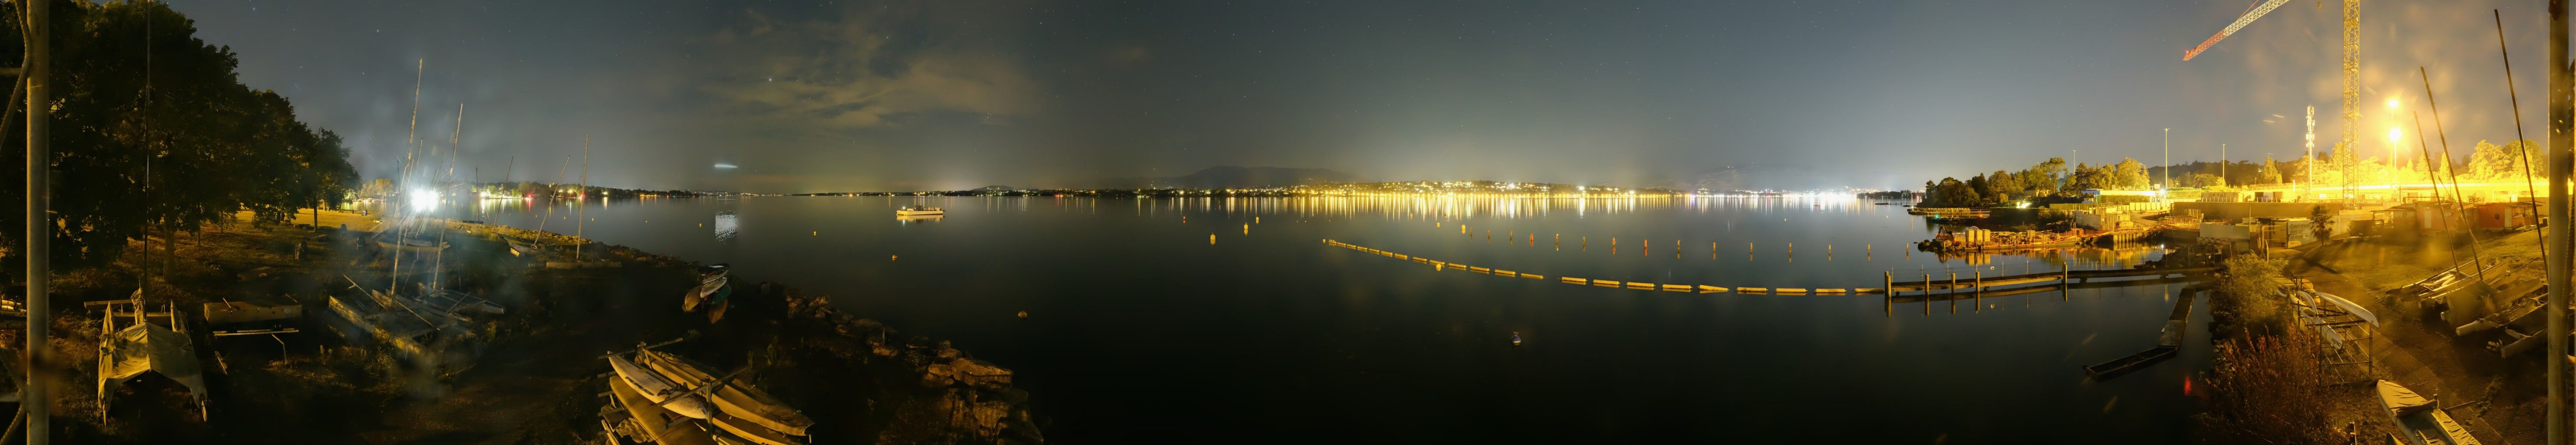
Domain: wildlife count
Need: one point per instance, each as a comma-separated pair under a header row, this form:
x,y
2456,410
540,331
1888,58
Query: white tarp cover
x,y
149,347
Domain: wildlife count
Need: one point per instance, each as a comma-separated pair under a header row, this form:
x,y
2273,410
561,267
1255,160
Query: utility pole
x,y
2222,163
35,396
2164,173
2310,162
2562,120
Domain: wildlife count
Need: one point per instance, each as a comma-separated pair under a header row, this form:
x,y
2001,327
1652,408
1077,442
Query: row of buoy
x,y
1699,288
1647,247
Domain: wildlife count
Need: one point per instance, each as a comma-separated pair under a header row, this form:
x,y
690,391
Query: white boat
x,y
743,410
2419,420
710,280
661,390
919,211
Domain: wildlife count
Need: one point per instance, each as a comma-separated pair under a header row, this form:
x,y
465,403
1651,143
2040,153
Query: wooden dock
x,y
2065,276
2167,343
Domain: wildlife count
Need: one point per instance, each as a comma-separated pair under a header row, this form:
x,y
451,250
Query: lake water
x,y
1187,320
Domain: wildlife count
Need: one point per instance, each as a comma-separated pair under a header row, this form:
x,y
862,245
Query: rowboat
x,y
711,280
2419,420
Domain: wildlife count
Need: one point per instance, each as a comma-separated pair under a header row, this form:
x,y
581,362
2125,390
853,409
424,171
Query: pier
x,y
2167,343
1974,286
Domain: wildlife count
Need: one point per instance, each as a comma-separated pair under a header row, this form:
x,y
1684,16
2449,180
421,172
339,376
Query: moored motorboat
x,y
919,211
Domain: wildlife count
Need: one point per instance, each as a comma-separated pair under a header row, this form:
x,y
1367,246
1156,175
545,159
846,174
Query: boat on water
x,y
2419,420
919,211
711,289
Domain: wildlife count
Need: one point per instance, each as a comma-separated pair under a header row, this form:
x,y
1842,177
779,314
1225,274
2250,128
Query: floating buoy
x,y
817,233
1024,314
893,257
1211,239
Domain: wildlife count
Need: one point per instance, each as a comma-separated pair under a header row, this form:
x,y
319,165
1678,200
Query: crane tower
x,y
2351,57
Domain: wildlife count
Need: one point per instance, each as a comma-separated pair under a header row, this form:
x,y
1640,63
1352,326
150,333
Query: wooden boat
x,y
660,390
742,409
412,244
2419,421
711,281
638,420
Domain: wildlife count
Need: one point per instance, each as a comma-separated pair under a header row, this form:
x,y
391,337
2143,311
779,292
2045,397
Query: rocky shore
x,y
536,376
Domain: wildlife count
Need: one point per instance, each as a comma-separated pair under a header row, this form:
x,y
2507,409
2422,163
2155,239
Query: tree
x,y
2130,175
2270,173
2008,186
167,150
1950,192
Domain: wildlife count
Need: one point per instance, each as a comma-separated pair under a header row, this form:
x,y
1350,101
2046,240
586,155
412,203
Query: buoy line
x,y
1700,288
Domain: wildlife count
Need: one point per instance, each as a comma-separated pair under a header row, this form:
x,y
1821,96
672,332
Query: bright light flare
x,y
423,200
2392,104
2392,135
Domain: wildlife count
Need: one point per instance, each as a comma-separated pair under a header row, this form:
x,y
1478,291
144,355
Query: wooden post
x,y
1954,288
1927,295
1980,290
1890,291
2063,286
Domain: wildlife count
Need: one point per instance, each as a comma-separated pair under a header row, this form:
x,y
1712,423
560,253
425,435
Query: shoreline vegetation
x,y
537,377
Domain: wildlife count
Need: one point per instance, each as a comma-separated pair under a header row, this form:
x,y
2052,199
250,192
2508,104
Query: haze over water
x,y
1140,327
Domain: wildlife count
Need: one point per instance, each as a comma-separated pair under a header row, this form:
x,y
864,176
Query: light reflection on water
x,y
1140,327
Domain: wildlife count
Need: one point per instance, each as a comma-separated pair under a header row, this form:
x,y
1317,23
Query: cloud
x,y
866,67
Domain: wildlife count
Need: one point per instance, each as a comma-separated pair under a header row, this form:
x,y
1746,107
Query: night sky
x,y
842,96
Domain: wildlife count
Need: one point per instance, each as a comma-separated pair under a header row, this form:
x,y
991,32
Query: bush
x,y
2268,390
2248,297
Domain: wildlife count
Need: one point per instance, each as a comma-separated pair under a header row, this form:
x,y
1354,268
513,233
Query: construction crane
x,y
2251,13
2351,57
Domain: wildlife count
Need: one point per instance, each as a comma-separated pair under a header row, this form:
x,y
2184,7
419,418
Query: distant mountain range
x,y
1228,176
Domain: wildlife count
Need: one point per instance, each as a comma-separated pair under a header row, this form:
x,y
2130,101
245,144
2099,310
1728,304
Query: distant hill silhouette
x,y
1228,176
1753,177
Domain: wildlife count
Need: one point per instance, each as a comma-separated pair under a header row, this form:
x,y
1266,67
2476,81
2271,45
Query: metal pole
x,y
2518,137
2562,120
2477,259
35,394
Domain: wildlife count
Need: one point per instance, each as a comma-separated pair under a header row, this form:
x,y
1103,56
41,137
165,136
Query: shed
x,y
2507,215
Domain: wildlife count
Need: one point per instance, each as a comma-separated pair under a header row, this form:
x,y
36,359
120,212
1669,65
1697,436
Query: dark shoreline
x,y
536,376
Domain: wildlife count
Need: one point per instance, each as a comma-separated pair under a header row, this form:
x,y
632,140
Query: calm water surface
x,y
1141,328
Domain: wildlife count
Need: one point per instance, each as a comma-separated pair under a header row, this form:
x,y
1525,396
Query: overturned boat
x,y
2419,421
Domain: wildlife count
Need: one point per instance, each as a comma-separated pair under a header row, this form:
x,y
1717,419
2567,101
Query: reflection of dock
x,y
2063,276
2166,343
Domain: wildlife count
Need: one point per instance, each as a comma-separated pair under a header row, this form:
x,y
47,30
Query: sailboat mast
x,y
411,151
584,212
